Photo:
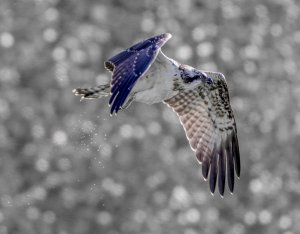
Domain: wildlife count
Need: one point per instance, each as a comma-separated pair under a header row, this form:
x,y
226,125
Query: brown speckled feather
x,y
208,121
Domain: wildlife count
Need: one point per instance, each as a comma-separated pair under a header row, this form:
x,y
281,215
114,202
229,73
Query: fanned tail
x,y
93,92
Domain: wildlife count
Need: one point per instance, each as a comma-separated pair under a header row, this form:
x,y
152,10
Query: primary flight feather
x,y
143,73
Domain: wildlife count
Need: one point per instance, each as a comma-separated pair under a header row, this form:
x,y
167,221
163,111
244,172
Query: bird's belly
x,y
149,97
159,91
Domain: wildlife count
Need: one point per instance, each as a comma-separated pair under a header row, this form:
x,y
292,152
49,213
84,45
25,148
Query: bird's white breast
x,y
156,84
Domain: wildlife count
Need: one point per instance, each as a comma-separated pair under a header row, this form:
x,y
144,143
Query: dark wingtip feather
x,y
213,173
236,154
230,163
230,172
205,167
222,172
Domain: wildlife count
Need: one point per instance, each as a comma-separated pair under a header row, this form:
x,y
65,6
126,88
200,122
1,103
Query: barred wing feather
x,y
209,124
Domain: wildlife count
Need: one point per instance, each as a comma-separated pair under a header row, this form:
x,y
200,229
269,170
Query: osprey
x,y
144,74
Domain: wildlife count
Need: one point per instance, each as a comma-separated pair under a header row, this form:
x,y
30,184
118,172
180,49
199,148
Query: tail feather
x,y
94,92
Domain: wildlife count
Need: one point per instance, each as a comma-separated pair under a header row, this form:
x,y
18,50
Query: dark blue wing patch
x,y
129,65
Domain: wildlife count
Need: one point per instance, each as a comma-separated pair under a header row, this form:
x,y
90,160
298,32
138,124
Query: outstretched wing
x,y
208,121
129,65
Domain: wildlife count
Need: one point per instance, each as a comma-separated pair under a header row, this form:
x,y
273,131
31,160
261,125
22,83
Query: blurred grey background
x,y
68,167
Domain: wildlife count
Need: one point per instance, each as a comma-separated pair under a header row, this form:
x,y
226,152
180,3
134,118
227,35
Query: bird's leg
x,y
93,92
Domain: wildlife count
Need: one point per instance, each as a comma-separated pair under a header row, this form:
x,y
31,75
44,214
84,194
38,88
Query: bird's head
x,y
190,75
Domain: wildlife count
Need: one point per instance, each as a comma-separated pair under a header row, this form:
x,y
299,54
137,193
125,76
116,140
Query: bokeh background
x,y
68,167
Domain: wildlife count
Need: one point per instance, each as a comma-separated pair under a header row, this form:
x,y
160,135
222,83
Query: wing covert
x,y
209,124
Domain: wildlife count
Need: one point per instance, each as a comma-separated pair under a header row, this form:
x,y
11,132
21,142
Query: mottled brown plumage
x,y
209,124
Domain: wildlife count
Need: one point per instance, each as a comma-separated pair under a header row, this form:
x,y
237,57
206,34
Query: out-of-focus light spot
x,y
180,197
250,218
286,50
59,54
154,128
265,217
297,36
88,126
209,66
251,52
198,34
126,131
192,215
61,74
9,75
139,216
32,213
78,56
51,14
183,7
53,180
104,218
42,165
261,11
102,79
59,137
290,67
64,164
212,215
285,222
50,35
155,180
38,193
38,131
112,187
256,186
226,54
99,12
205,49
105,150
230,10
7,40
237,229
49,217
276,30
184,52
147,24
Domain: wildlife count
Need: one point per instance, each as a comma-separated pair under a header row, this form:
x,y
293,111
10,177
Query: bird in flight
x,y
143,73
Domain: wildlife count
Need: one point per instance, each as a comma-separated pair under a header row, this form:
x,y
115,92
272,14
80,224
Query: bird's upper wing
x,y
208,121
129,65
